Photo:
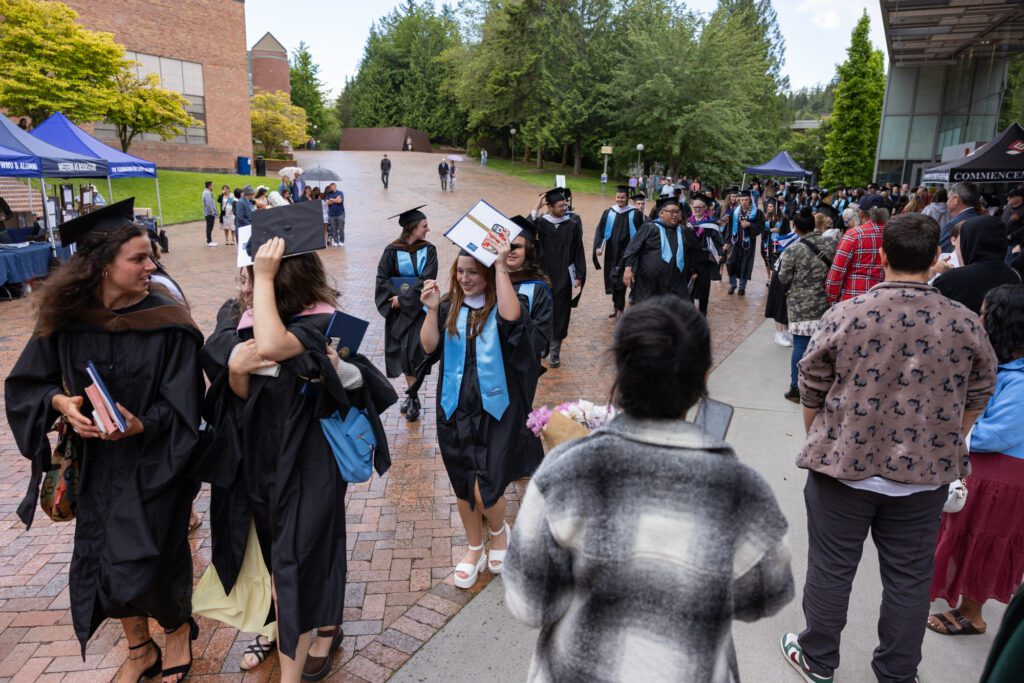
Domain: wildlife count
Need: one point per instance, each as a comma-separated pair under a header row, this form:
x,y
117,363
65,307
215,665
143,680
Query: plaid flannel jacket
x,y
856,267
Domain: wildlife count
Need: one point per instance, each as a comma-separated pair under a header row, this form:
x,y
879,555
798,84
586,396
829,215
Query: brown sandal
x,y
317,668
966,627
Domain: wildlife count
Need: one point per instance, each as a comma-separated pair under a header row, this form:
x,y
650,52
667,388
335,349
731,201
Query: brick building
x,y
268,66
198,49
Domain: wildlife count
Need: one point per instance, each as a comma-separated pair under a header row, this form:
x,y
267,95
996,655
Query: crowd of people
x,y
907,336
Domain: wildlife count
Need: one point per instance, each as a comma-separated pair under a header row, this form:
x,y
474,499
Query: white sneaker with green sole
x,y
794,654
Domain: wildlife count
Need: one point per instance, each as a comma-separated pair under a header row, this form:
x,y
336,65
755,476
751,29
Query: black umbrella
x,y
319,173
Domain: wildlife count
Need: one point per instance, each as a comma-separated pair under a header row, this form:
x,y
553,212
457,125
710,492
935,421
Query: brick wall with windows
x,y
198,48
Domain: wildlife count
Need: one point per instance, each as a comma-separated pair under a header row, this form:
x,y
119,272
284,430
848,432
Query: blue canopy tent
x,y
58,130
25,156
781,164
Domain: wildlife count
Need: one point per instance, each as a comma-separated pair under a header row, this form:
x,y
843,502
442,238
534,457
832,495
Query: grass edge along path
x,y
588,181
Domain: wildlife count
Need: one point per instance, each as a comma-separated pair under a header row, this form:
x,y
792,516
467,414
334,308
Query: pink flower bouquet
x,y
568,421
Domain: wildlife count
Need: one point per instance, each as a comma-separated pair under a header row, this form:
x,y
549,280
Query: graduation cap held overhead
x,y
409,217
106,219
300,225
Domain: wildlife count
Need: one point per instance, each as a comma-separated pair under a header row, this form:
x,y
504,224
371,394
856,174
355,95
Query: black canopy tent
x,y
39,159
1001,160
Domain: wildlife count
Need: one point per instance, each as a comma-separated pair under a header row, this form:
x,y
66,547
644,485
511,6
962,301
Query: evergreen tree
x,y
857,113
307,89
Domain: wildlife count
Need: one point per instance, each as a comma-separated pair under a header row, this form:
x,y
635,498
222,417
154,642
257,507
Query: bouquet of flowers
x,y
568,421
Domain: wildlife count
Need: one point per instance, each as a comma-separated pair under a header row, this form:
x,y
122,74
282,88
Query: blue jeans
x,y
733,281
799,348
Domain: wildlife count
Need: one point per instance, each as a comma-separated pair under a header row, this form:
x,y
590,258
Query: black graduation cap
x,y
622,188
300,225
829,211
701,197
529,233
557,194
666,201
745,193
107,219
409,217
640,195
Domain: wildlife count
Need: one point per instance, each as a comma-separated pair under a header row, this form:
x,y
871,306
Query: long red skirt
x,y
980,552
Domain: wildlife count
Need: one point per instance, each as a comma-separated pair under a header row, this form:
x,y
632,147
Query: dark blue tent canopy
x,y
38,159
781,165
59,131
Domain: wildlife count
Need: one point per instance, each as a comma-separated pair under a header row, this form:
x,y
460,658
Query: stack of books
x,y
104,410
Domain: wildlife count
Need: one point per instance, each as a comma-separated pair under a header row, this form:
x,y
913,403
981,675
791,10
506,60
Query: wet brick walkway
x,y
403,530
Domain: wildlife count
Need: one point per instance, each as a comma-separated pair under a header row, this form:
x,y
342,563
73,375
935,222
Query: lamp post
x,y
512,131
639,150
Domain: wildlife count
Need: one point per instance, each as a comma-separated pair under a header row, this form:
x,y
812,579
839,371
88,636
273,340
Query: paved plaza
x,y
404,534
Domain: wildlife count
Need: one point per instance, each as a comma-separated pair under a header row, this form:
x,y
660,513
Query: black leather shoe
x,y
405,406
412,412
792,395
732,290
742,292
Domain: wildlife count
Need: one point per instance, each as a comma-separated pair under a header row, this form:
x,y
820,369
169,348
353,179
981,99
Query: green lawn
x,y
588,181
180,191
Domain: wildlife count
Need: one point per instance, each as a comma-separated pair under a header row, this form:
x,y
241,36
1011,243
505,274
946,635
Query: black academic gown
x,y
742,245
652,276
540,310
625,225
131,555
402,351
475,447
558,247
284,464
238,484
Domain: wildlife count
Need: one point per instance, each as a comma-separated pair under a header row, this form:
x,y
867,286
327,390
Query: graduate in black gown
x,y
743,224
531,284
703,248
616,228
654,260
131,558
560,247
481,331
409,256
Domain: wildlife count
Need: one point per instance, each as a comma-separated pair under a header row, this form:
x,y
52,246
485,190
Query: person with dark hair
x,y
616,228
891,384
131,558
244,208
622,534
442,173
1013,219
802,272
560,248
742,226
654,263
209,211
398,299
227,214
260,199
962,203
981,251
856,267
778,237
480,332
980,551
531,284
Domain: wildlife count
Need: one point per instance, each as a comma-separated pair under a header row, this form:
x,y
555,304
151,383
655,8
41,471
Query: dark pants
x,y
444,182
384,178
209,228
800,343
619,297
700,287
904,530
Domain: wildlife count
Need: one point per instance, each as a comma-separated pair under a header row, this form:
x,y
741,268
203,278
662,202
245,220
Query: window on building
x,y
176,75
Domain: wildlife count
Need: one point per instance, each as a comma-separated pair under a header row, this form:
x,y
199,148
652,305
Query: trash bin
x,y
244,166
261,166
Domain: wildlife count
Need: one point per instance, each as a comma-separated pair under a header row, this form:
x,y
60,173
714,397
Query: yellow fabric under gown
x,y
247,606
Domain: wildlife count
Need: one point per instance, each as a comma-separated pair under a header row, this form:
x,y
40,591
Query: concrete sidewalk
x,y
482,642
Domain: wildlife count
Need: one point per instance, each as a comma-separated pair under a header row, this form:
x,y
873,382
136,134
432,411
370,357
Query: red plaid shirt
x,y
856,267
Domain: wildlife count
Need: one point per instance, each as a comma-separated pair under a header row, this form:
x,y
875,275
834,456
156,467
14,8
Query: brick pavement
x,y
404,535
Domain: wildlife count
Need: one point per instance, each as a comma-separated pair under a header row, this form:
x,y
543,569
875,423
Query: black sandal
x,y
183,669
155,669
317,668
966,627
259,650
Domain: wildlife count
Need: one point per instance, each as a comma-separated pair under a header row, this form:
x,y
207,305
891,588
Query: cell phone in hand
x,y
714,417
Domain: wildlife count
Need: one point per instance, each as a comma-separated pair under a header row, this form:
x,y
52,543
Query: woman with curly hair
x,y
131,558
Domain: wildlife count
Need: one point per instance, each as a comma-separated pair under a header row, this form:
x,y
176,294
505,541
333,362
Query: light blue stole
x,y
736,222
527,289
490,367
609,223
405,267
666,248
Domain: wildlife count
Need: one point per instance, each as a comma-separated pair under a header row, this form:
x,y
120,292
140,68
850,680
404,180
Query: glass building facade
x,y
930,107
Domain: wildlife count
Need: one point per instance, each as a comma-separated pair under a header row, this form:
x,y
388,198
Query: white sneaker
x,y
212,244
780,339
789,336
340,244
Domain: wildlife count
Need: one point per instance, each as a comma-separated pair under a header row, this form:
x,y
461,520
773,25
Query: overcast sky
x,y
817,32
